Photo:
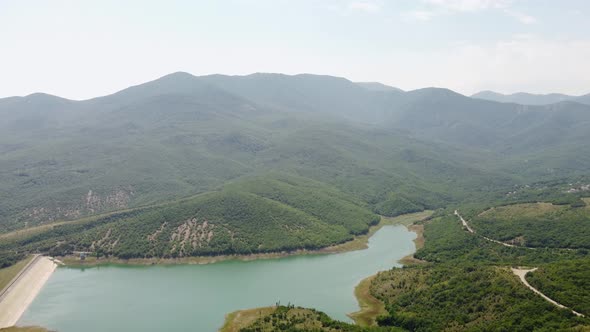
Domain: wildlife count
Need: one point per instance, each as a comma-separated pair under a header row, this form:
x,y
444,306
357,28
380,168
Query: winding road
x,y
519,272
470,230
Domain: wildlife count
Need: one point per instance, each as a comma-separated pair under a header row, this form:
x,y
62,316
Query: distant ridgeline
x,y
266,162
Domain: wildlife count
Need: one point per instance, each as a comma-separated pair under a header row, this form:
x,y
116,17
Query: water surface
x,y
197,297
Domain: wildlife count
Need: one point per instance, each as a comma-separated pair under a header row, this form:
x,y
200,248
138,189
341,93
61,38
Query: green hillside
x,y
219,165
297,319
537,225
319,151
464,298
464,283
284,213
568,282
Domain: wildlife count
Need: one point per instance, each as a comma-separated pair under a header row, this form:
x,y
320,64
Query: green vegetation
x,y
191,166
567,282
537,225
296,319
203,137
252,216
321,152
467,284
237,320
8,273
9,257
446,241
395,205
464,298
383,147
469,287
371,307
24,329
321,201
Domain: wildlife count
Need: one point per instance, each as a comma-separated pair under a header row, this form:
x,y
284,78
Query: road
x,y
470,230
521,273
21,291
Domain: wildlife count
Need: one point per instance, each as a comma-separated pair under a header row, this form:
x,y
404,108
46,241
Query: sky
x,y
80,49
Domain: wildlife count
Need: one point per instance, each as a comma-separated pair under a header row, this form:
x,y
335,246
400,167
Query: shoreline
x,y
22,291
418,242
357,243
236,320
34,276
369,306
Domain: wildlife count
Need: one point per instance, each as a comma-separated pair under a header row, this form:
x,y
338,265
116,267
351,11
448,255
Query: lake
x,y
197,297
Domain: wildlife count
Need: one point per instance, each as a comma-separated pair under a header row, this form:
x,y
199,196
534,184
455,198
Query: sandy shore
x,y
23,291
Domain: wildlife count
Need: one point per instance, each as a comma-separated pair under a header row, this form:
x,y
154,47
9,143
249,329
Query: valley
x,y
295,166
298,187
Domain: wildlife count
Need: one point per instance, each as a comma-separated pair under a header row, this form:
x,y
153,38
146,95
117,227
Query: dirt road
x,y
521,273
470,230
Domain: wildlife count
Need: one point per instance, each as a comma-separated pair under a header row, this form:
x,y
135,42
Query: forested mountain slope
x,y
274,213
181,135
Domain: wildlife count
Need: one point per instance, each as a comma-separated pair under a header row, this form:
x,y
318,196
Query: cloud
x,y
479,5
418,15
522,63
523,18
365,5
468,5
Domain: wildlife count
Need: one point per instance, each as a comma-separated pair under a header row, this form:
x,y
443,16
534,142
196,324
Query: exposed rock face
x,y
190,235
154,236
117,199
88,204
577,189
107,242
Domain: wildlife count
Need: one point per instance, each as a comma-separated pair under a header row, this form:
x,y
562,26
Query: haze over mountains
x,y
531,99
391,151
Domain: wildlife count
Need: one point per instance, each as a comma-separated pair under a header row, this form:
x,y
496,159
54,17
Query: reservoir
x,y
197,297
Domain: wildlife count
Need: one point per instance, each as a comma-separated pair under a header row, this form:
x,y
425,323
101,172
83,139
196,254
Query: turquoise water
x,y
197,297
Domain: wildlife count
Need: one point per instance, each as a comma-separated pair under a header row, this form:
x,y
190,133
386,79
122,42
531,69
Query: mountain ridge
x,y
525,98
181,135
176,79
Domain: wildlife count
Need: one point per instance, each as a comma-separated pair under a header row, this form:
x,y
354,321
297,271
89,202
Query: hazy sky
x,y
80,49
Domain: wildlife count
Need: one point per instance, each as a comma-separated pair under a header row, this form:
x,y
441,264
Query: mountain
x,y
369,151
524,98
182,135
376,86
585,99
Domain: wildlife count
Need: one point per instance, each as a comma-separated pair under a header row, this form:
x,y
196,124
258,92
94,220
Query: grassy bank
x,y
8,273
370,306
418,242
24,329
240,319
289,318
